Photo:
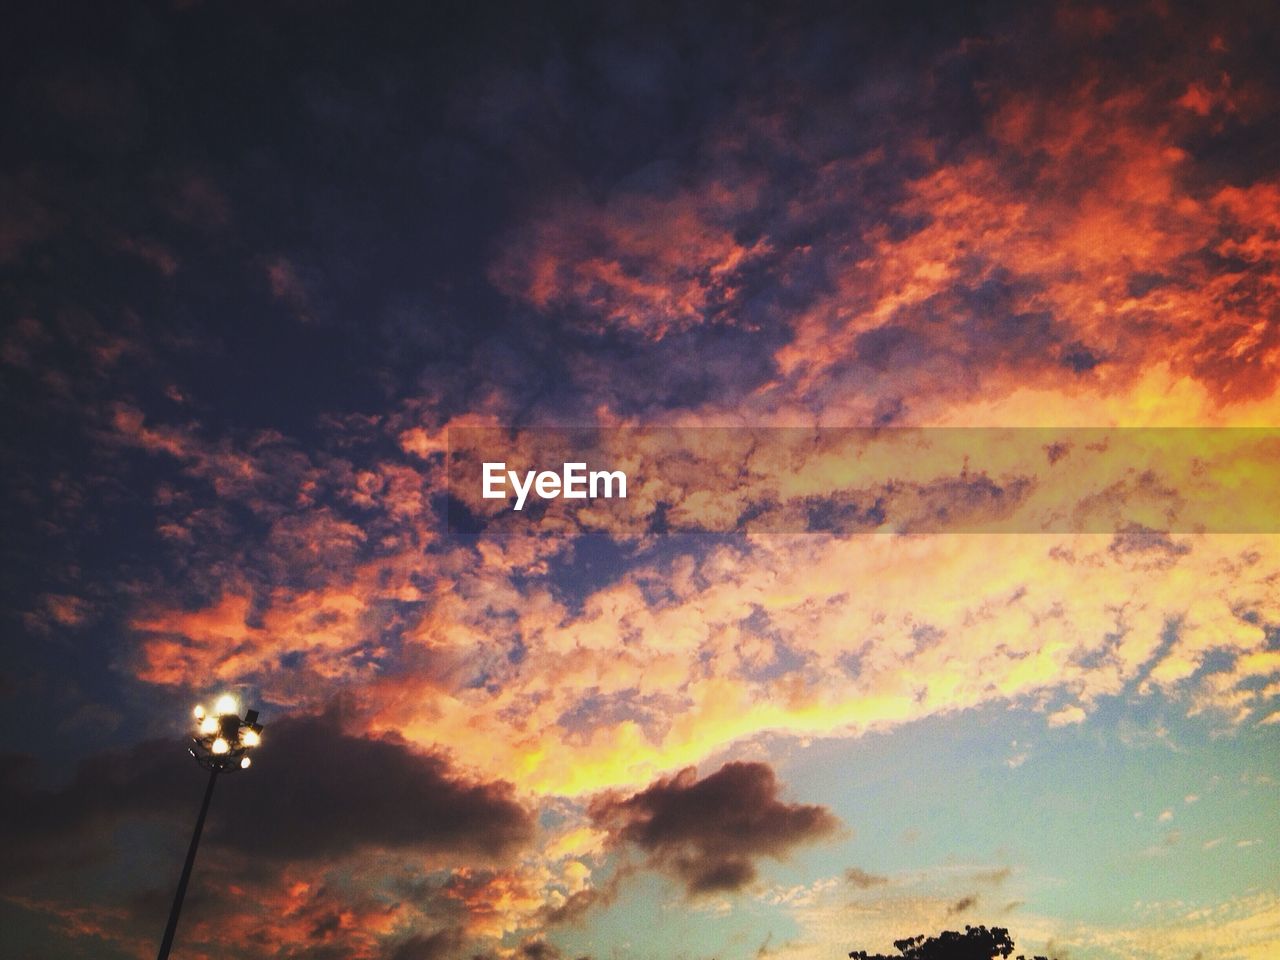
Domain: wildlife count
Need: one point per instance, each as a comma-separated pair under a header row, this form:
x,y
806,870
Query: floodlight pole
x,y
172,927
222,743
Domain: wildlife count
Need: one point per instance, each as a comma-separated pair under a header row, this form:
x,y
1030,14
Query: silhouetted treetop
x,y
976,943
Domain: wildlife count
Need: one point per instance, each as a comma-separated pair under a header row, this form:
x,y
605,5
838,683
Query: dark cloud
x,y
578,905
710,832
863,880
536,948
539,950
428,946
574,909
994,876
316,791
335,792
1141,540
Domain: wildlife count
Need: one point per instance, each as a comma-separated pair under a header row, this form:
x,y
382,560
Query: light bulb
x,y
209,726
220,746
244,763
249,737
199,712
226,705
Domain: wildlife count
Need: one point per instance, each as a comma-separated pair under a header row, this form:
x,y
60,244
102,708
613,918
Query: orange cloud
x,y
652,266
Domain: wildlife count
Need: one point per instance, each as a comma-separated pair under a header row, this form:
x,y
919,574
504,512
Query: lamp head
x,y
223,740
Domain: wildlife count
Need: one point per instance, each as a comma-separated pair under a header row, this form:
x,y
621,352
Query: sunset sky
x,y
264,264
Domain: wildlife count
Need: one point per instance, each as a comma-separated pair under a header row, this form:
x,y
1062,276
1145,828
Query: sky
x,y
265,265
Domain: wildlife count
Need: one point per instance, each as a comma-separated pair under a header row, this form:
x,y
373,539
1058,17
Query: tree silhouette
x,y
976,943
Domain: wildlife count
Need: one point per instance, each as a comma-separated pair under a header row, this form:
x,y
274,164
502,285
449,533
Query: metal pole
x,y
172,926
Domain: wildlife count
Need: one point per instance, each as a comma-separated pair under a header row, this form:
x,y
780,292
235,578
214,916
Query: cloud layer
x,y
262,273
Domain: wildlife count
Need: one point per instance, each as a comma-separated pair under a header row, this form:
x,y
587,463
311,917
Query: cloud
x,y
995,877
440,945
316,792
862,880
356,791
645,264
1067,716
994,220
1040,616
963,255
710,832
